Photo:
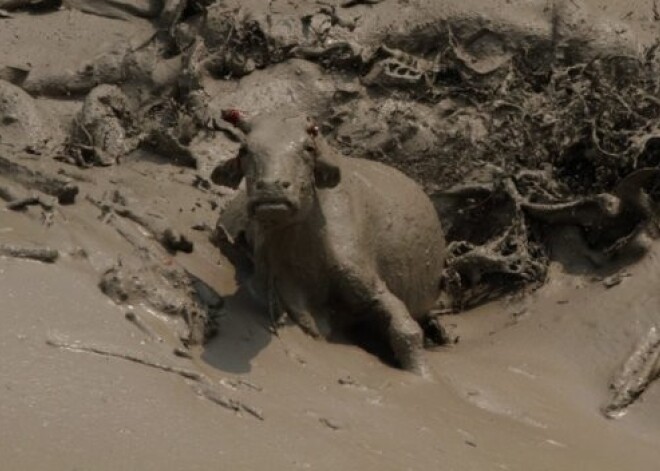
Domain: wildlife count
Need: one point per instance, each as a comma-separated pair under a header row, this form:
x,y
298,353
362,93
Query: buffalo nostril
x,y
260,185
286,184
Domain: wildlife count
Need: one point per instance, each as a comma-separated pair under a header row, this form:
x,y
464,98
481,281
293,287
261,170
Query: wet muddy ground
x,y
137,346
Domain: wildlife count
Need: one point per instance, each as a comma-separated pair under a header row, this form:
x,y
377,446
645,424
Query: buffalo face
x,y
283,161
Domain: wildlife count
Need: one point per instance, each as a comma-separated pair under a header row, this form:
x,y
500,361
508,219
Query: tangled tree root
x,y
609,222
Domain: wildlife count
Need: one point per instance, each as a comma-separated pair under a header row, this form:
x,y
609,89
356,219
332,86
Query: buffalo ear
x,y
228,173
326,167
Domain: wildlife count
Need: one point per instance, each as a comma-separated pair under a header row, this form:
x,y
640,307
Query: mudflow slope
x,y
109,284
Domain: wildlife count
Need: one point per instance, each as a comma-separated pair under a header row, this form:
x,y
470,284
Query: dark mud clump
x,y
169,290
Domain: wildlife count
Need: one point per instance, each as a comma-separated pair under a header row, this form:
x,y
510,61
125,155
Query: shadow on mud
x,y
243,332
245,328
371,337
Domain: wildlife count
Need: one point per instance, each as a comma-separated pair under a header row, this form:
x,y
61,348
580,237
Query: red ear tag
x,y
313,130
232,116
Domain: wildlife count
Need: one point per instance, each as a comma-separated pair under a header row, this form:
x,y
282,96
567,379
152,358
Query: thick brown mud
x,y
128,340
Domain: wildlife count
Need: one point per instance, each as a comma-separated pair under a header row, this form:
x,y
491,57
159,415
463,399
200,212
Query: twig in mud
x,y
331,424
256,413
202,385
134,319
18,199
33,200
61,188
31,5
352,3
182,353
639,370
22,203
85,131
168,237
227,402
217,398
46,255
107,352
254,387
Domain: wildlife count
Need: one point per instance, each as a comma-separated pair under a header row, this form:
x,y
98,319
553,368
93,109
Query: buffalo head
x,y
283,160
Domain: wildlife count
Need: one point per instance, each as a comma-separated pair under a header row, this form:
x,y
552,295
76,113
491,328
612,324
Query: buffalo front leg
x,y
296,305
406,338
405,335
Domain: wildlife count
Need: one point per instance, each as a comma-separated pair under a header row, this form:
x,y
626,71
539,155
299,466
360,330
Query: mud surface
x,y
130,340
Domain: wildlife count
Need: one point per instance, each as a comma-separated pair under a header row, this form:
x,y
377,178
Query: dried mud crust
x,y
513,128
